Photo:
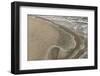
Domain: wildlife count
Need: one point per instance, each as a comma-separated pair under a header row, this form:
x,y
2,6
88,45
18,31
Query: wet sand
x,y
48,40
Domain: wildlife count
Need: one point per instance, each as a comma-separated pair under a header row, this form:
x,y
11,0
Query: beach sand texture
x,y
48,40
